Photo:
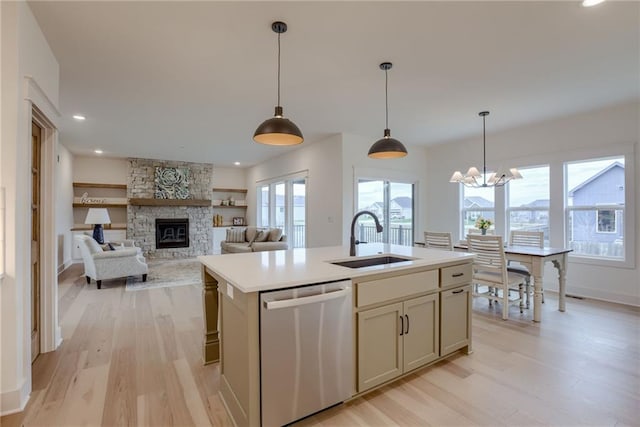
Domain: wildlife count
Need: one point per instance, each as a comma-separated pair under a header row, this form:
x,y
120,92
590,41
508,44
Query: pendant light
x,y
498,179
387,147
278,130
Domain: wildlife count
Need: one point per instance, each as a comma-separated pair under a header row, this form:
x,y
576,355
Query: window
x,y
282,204
595,205
476,202
528,202
606,221
392,203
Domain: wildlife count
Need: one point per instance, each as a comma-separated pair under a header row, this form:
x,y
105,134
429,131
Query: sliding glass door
x,y
393,204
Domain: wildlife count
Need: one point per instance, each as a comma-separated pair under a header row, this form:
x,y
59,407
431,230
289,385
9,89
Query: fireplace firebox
x,y
172,233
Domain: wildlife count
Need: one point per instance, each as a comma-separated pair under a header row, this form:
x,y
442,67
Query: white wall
x,y
323,162
64,209
551,142
333,164
102,170
25,52
229,177
356,162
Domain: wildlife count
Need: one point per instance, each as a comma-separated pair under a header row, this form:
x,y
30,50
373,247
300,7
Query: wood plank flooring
x,y
134,358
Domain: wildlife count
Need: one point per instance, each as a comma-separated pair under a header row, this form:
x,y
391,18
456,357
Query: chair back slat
x,y
489,252
438,240
526,238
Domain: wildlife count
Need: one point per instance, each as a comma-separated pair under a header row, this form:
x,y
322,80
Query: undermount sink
x,y
368,262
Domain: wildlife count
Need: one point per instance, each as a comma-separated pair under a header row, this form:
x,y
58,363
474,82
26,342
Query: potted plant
x,y
483,224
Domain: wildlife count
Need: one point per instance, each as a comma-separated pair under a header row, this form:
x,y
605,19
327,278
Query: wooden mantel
x,y
169,202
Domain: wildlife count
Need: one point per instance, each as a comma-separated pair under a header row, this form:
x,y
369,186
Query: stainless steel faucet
x,y
353,242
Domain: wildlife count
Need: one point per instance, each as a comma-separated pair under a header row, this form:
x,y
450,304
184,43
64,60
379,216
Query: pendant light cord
x,y
278,69
386,98
484,150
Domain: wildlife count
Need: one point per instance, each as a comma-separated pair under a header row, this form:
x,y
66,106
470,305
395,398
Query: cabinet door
x,y
455,319
379,345
421,331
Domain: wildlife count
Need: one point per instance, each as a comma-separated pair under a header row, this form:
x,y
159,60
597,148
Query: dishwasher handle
x,y
294,302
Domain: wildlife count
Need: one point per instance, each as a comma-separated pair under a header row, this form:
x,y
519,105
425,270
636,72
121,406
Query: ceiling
x,y
192,80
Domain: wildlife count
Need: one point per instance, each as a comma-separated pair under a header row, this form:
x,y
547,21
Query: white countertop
x,y
260,271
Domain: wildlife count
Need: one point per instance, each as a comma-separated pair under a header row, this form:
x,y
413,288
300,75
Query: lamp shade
x,y
387,148
97,216
278,130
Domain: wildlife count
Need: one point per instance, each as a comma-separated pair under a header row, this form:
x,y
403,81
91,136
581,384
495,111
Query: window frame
x,y
628,211
288,226
509,209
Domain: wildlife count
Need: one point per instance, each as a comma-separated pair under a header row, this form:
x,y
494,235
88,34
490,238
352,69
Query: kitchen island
x,y
409,311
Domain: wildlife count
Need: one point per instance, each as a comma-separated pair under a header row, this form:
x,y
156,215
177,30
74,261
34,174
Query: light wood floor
x,y
133,358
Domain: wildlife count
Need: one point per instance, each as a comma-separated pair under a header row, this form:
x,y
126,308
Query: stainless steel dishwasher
x,y
306,350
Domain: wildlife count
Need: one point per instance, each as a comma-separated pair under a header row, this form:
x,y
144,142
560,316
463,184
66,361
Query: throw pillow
x,y
250,234
263,237
235,235
255,236
275,234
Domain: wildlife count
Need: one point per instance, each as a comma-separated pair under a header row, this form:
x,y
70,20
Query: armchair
x,y
100,265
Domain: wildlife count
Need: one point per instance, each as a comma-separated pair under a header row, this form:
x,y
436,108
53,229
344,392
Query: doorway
x,y
36,167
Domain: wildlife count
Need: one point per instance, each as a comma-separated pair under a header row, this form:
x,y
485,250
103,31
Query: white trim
x,y
14,401
35,94
41,111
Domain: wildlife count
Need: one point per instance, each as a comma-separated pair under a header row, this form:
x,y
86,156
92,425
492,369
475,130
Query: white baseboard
x,y
604,295
65,265
15,400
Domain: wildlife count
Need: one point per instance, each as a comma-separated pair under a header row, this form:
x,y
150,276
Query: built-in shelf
x,y
227,207
230,190
90,227
99,205
170,202
92,185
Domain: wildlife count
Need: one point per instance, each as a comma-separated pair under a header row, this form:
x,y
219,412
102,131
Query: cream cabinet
x,y
379,345
396,338
421,331
408,321
455,320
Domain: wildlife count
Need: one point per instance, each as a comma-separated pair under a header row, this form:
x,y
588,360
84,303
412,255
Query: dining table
x,y
534,259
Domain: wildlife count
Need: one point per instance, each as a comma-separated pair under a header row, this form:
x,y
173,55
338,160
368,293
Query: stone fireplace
x,y
172,233
141,218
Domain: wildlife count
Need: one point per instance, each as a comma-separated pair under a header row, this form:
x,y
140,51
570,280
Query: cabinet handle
x,y
459,291
401,325
407,331
457,275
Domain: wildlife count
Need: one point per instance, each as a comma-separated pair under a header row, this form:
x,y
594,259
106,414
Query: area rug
x,y
167,273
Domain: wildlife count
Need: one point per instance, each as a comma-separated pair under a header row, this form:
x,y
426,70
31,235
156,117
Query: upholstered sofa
x,y
100,264
253,239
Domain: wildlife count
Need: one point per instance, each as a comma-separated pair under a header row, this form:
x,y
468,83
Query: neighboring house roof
x,y
477,201
403,201
594,177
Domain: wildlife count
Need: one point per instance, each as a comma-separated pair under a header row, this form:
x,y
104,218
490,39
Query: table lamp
x,y
97,217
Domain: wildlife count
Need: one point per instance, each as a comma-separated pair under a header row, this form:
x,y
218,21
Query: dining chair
x,y
525,238
438,240
490,270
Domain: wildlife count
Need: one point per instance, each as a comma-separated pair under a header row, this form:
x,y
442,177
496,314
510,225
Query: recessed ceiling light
x,y
79,117
98,151
236,163
589,3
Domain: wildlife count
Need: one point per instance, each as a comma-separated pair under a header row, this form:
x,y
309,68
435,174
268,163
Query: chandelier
x,y
471,178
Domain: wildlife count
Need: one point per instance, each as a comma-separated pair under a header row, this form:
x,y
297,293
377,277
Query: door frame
x,y
42,111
